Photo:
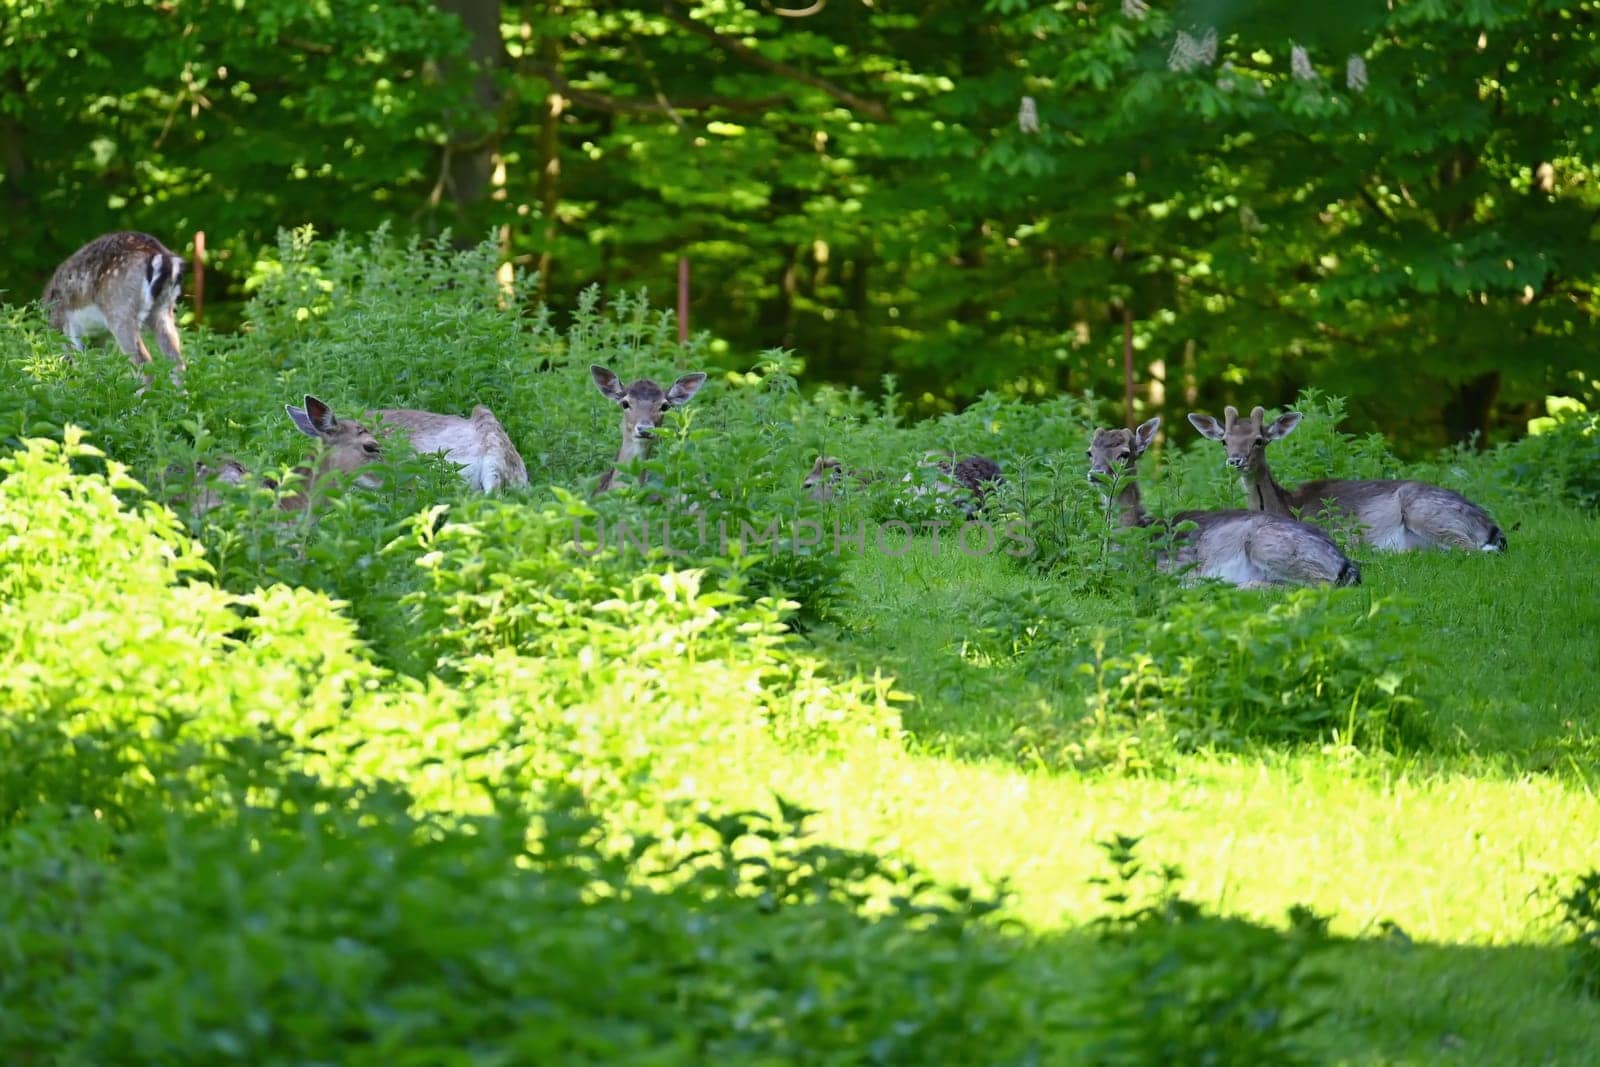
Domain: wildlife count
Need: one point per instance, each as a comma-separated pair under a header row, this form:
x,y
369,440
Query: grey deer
x,y
478,445
120,282
1393,515
345,446
643,404
1244,548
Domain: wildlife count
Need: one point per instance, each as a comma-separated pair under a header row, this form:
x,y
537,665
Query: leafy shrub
x,y
1579,914
1559,458
1219,668
1188,987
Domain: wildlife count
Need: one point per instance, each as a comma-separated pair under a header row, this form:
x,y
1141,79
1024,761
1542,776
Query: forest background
x,y
1394,202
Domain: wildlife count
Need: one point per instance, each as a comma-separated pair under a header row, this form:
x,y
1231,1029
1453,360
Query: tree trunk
x,y
1467,412
475,151
549,165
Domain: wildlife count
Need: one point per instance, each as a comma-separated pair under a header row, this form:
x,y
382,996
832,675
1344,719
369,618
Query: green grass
x,y
1439,857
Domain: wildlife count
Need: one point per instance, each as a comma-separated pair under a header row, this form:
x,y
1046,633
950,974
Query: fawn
x,y
1393,515
120,282
346,446
478,444
973,476
1244,548
643,404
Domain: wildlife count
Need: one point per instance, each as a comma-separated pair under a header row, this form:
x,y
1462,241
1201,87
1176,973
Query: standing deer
x,y
1394,515
345,446
121,282
1244,548
478,444
643,403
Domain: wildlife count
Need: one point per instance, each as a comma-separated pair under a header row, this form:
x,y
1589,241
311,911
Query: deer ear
x,y
1283,425
1145,435
1207,426
607,383
684,388
321,415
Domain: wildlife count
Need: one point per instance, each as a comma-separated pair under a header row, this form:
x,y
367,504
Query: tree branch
x,y
871,108
627,105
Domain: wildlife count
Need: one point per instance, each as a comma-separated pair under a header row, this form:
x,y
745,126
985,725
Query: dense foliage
x,y
1393,202
425,775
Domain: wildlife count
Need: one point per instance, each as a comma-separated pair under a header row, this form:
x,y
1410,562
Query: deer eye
x,y
1123,454
625,405
371,450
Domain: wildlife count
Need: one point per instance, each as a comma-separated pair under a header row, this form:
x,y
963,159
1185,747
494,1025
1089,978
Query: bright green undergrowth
x,y
434,778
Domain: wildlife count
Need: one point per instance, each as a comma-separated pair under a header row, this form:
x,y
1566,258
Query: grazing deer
x,y
478,444
1394,515
1244,548
643,403
121,282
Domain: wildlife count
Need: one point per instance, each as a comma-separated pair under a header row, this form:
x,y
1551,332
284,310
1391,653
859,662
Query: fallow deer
x,y
1393,515
643,404
478,444
1244,548
828,475
973,476
120,282
346,446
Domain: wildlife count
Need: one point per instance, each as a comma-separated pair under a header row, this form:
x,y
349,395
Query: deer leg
x,y
165,326
125,329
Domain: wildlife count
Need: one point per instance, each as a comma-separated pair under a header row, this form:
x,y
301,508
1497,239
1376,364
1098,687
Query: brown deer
x,y
478,444
973,477
1393,515
643,404
345,446
1244,548
122,283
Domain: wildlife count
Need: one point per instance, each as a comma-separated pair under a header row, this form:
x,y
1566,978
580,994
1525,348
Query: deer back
x,y
1253,548
1397,515
117,275
479,445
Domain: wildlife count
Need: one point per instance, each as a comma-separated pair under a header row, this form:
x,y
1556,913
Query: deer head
x,y
346,445
1246,439
1114,453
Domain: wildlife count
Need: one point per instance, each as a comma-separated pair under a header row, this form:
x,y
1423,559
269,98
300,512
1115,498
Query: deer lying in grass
x,y
973,476
643,404
1393,515
345,446
120,282
478,444
828,475
1245,548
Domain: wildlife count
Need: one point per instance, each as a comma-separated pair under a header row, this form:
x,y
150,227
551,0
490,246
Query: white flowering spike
x,y
1225,77
1300,63
1355,73
1206,47
1135,9
1249,221
1186,54
1028,116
